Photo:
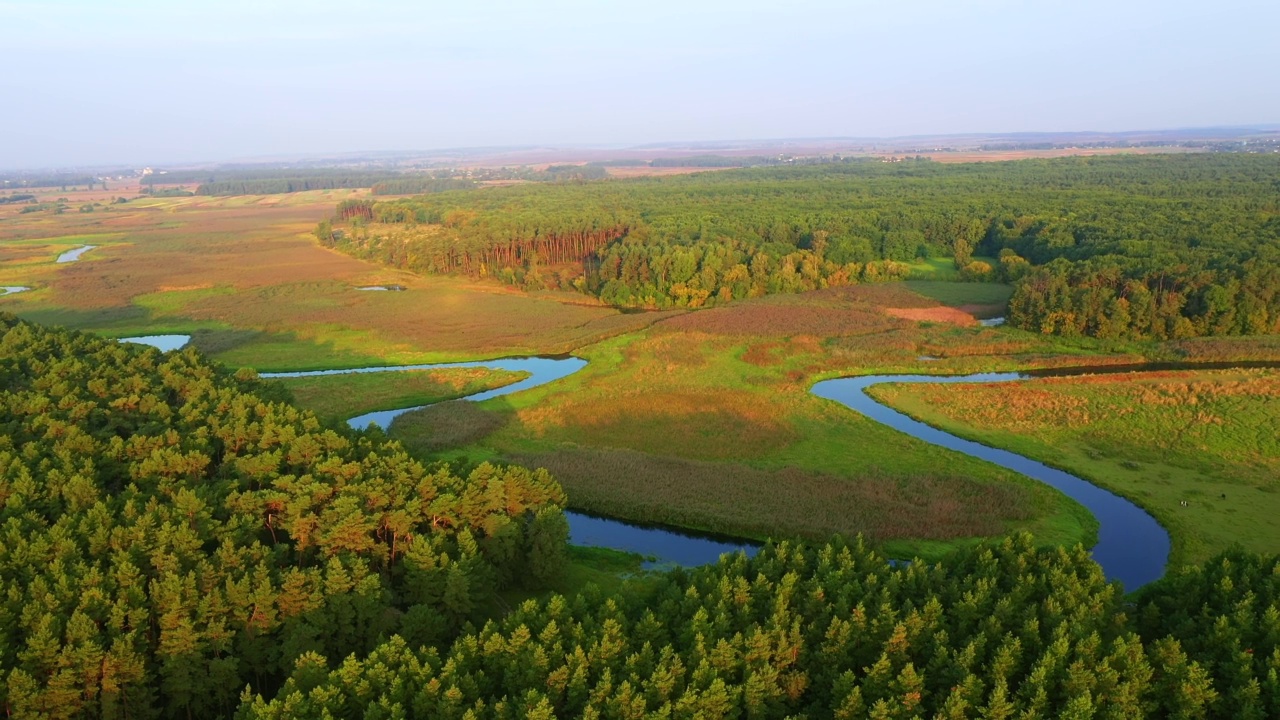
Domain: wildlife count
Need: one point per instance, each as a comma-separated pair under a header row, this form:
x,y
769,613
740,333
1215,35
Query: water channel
x,y
1132,547
74,255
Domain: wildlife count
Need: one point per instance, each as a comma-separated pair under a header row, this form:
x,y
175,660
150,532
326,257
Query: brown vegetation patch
x,y
284,282
824,313
735,498
954,316
687,423
1229,349
982,311
444,426
671,350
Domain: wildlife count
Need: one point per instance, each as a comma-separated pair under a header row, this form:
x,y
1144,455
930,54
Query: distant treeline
x,y
17,198
418,185
734,161
707,161
59,180
278,185
1158,245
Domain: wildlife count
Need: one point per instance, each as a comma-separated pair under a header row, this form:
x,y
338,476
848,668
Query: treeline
x,y
1117,297
715,161
171,534
731,161
1197,230
417,185
62,180
278,185
1001,631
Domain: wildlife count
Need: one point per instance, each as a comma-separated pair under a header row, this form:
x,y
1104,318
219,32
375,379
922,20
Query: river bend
x,y
1132,547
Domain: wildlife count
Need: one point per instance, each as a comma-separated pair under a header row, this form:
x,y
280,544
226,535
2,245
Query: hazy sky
x,y
104,81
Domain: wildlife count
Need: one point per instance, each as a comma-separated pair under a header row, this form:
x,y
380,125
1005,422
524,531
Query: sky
x,y
139,82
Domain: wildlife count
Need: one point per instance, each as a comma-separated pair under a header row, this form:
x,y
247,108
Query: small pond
x,y
164,343
992,322
74,255
12,289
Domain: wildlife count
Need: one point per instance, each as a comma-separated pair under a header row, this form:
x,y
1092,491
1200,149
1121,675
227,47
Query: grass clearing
x,y
958,294
941,269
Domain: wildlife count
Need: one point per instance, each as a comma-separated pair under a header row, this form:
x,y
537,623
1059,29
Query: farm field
x,y
1199,449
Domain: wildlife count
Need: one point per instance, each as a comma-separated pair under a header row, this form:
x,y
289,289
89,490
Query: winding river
x,y
1132,547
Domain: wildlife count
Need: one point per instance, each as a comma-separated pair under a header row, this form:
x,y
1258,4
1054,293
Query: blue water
x,y
1132,547
665,546
163,342
542,370
12,289
74,255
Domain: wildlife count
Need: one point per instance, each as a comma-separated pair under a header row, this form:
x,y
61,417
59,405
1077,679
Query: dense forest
x,y
999,632
179,542
170,534
1125,246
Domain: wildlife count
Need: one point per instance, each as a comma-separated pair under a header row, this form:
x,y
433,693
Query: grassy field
x,y
1210,439
339,397
706,421
244,275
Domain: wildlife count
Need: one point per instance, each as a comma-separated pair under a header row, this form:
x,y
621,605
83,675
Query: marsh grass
x,y
250,265
915,515
339,397
1210,439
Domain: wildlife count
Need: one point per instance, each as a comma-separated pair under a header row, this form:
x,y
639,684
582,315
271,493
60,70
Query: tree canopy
x,y
1122,246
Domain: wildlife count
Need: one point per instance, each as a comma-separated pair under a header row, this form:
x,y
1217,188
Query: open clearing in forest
x,y
1210,439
